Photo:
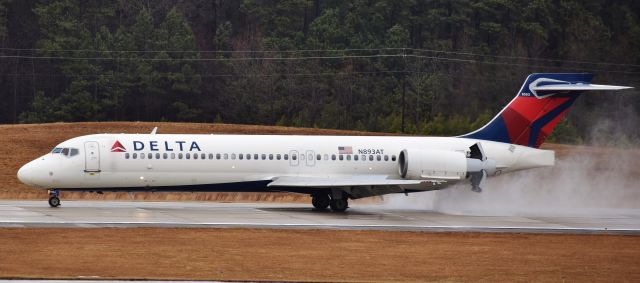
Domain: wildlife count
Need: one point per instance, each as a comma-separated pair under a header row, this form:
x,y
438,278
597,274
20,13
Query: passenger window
x,y
126,155
218,156
165,155
226,156
355,157
248,156
286,156
264,156
187,155
142,155
294,157
341,157
386,157
278,156
233,156
349,157
302,156
393,158
318,157
240,156
378,157
333,157
326,157
210,155
157,155
73,151
173,155
135,156
255,156
371,157
364,157
150,155
180,155
195,156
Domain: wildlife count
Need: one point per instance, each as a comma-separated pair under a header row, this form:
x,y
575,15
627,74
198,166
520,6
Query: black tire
x,y
339,205
54,201
320,201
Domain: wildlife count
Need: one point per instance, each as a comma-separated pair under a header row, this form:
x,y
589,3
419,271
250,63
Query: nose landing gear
x,y
54,200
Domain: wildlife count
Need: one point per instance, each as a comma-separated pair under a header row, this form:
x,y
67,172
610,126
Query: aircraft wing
x,y
354,180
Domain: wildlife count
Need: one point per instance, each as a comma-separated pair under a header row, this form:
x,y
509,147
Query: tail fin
x,y
540,104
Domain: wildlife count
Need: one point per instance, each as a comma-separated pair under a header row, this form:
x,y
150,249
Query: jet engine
x,y
417,164
422,164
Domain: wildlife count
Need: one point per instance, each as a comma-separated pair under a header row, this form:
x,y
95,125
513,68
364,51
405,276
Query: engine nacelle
x,y
417,164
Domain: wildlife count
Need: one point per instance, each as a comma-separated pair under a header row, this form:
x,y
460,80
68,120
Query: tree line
x,y
423,67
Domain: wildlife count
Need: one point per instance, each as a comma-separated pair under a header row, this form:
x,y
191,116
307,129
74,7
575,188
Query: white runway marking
x,y
299,216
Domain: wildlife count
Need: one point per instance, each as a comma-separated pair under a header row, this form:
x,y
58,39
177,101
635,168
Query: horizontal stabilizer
x,y
579,86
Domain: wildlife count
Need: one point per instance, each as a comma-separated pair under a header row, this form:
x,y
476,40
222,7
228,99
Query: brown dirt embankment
x,y
316,255
20,144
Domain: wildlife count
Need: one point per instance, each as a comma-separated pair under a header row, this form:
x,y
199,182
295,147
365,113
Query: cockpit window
x,y
66,151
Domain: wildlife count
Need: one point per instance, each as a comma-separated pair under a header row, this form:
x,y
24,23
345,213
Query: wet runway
x,y
295,216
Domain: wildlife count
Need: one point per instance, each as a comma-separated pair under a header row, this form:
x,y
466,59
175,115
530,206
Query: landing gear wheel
x,y
339,205
320,201
54,201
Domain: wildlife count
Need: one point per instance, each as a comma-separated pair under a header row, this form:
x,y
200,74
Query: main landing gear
x,y
54,200
323,200
339,205
320,201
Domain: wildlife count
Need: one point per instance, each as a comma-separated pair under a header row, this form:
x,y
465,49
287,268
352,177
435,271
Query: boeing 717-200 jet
x,y
332,169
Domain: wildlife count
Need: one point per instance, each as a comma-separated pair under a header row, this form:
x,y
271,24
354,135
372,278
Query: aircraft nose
x,y
25,173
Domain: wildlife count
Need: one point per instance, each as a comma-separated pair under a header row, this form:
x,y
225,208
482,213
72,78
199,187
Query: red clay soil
x,y
20,144
315,255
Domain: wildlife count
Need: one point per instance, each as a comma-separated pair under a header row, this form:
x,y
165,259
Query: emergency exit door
x,y
311,160
91,157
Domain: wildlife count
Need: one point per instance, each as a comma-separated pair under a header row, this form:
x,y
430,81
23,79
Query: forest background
x,y
430,67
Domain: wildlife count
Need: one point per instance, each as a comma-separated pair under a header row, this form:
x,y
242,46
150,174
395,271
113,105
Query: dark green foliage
x,y
366,65
120,85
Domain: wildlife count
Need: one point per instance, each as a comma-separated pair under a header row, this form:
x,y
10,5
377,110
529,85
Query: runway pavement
x,y
301,216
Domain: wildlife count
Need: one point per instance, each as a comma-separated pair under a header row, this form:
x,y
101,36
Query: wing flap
x,y
366,180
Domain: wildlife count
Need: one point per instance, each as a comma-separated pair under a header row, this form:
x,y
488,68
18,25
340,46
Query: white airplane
x,y
332,169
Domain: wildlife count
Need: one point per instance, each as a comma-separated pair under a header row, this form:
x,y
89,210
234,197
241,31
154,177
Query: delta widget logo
x,y
118,147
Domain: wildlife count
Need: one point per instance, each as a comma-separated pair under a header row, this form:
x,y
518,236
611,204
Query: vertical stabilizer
x,y
537,108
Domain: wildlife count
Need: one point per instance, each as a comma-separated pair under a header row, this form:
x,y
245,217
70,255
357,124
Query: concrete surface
x,y
300,216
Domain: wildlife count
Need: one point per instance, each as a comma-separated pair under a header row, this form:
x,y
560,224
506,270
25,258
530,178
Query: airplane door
x,y
311,160
91,157
293,161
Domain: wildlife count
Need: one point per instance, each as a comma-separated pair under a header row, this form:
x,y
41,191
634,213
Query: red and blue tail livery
x,y
542,101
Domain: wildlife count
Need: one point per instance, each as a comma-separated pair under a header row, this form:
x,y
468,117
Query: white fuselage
x,y
149,161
